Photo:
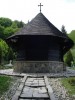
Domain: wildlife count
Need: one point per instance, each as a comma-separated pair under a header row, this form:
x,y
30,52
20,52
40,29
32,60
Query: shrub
x,y
71,81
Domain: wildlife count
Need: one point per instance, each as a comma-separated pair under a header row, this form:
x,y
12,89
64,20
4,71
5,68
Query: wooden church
x,y
40,47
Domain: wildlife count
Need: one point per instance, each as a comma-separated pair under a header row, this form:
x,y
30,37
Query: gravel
x,y
59,91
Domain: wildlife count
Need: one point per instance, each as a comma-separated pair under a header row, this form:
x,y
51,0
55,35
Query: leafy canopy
x,y
6,22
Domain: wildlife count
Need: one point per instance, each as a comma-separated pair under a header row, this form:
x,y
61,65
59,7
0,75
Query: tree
x,y
8,31
68,58
0,55
6,53
19,24
1,32
63,30
4,49
6,22
9,27
14,25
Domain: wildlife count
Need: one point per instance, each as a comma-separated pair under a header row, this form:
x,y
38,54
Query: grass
x,y
4,83
69,84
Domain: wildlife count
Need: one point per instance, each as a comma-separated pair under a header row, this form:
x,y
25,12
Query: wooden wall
x,y
39,48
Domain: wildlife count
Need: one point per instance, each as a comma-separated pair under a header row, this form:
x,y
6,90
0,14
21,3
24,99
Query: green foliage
x,y
9,31
73,54
0,55
4,48
69,84
1,31
6,22
72,81
14,25
70,55
19,24
68,58
72,35
6,53
9,27
4,84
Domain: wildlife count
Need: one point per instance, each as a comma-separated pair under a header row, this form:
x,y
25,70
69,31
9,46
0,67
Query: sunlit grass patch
x,y
69,84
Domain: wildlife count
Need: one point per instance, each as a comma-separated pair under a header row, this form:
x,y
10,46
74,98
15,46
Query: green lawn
x,y
69,84
4,83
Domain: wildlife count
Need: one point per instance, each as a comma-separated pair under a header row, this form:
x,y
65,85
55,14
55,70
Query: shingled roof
x,y
40,25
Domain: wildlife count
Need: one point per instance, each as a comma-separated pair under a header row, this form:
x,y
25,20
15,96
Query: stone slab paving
x,y
34,88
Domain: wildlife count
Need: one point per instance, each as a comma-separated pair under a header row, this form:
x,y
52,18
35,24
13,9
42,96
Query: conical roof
x,y
40,25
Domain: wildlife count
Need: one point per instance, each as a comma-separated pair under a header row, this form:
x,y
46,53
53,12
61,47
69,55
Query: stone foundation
x,y
38,66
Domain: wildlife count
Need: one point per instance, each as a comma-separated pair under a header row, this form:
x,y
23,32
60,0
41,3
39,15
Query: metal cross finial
x,y
40,7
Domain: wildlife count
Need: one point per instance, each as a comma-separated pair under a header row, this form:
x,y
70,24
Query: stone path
x,y
34,88
10,72
34,85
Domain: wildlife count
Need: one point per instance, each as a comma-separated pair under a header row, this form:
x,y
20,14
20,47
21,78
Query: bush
x,y
68,58
71,81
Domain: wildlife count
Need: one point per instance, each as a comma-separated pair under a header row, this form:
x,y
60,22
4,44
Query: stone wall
x,y
38,66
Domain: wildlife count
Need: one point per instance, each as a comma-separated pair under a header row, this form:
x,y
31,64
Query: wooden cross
x,y
40,7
